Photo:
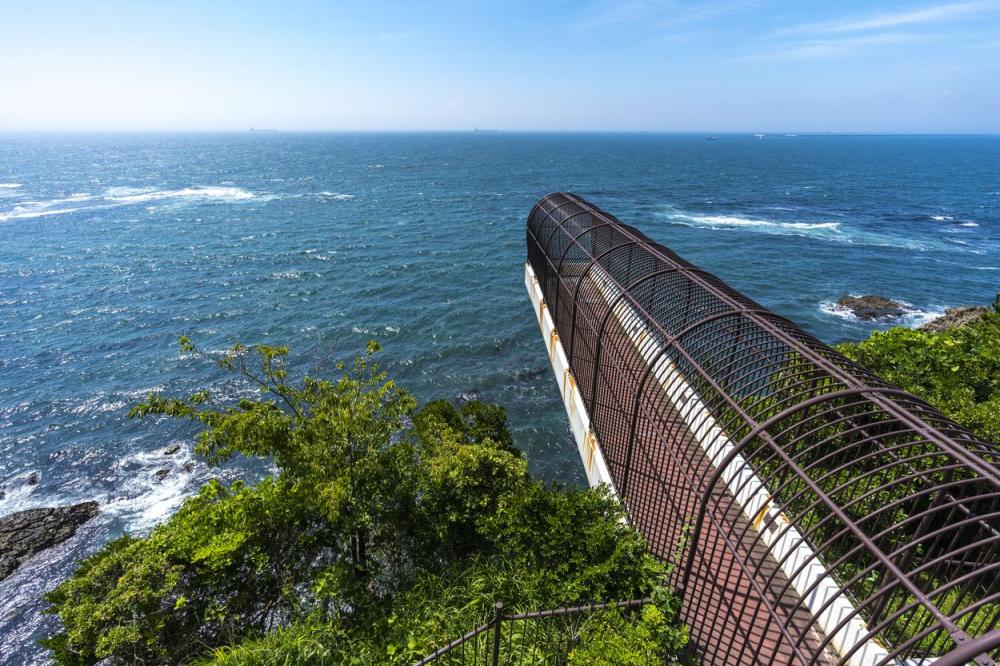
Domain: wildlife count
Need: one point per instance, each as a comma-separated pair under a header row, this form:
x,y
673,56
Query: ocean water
x,y
111,246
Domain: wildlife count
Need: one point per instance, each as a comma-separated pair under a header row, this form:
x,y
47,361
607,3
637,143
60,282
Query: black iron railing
x,y
817,514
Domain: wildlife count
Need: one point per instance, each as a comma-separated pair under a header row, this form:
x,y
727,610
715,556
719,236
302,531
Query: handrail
x,y
499,618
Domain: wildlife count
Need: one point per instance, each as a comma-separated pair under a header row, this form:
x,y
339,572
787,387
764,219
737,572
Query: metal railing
x,y
816,513
539,637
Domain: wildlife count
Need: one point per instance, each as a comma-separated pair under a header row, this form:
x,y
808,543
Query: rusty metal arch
x,y
737,409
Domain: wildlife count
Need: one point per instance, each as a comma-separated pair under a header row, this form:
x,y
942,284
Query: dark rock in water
x,y
954,317
32,479
870,307
188,466
27,533
161,474
530,375
3,494
171,450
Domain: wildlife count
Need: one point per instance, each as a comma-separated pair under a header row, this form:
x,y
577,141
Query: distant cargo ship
x,y
254,129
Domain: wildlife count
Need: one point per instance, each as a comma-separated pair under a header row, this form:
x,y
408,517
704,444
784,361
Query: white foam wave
x,y
385,330
17,493
831,308
968,224
29,214
9,186
912,317
147,498
771,226
122,196
728,221
809,225
142,195
825,231
335,196
75,198
942,218
31,209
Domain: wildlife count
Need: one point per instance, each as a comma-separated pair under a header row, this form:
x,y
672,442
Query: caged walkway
x,y
814,513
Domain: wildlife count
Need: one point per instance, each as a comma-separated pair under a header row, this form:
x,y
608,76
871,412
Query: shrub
x,y
387,531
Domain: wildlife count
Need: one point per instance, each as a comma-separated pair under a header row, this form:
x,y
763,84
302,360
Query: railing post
x,y
497,627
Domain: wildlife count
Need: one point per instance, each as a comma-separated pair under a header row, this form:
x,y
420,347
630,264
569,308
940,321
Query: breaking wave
x,y
122,196
28,214
912,316
818,229
142,195
827,231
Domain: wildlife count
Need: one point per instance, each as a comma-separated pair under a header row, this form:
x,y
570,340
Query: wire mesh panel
x,y
815,513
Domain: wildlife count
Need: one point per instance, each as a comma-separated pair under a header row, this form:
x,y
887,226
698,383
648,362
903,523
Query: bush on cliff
x,y
386,532
956,370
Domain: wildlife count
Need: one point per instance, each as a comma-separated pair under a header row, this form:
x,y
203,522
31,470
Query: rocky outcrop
x,y
27,533
872,307
955,317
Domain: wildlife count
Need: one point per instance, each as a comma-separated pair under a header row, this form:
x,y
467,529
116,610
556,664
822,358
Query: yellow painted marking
x,y
642,338
759,518
591,441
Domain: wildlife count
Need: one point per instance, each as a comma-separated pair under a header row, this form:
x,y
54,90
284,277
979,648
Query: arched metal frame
x,y
765,465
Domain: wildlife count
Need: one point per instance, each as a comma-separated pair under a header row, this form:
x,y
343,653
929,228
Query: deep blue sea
x,y
111,246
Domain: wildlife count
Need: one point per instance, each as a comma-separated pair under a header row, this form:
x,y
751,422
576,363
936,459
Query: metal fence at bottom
x,y
540,637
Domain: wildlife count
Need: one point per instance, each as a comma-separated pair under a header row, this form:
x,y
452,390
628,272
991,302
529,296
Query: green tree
x,y
386,531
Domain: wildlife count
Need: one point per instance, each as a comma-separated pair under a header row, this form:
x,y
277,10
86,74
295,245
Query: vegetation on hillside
x,y
956,370
386,532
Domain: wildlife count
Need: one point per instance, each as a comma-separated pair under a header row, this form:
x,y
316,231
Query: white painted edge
x,y
579,420
748,490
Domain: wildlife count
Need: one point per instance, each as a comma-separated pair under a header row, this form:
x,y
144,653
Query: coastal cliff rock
x,y
955,317
870,307
26,533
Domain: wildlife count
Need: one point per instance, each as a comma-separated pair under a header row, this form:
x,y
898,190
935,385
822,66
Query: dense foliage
x,y
386,532
956,370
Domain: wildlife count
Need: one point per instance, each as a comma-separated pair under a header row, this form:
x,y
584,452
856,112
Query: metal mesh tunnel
x,y
813,513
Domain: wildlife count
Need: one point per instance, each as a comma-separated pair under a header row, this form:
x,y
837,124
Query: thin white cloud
x,y
656,14
605,14
831,48
930,14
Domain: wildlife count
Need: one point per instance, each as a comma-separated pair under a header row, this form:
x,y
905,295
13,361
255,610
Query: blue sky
x,y
737,65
